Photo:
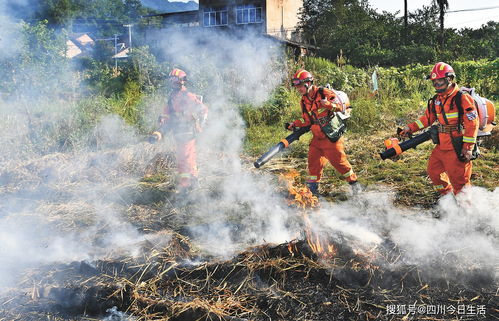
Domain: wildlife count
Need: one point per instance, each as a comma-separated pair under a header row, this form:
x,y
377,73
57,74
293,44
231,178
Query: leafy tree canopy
x,y
351,28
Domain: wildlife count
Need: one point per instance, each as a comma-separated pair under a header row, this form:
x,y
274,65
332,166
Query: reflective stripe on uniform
x,y
420,124
467,139
438,187
311,179
319,111
348,174
449,115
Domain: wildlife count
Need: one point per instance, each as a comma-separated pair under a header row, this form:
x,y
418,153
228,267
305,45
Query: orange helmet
x,y
301,76
177,75
441,70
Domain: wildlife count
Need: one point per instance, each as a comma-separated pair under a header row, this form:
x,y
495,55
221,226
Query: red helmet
x,y
301,76
178,73
441,70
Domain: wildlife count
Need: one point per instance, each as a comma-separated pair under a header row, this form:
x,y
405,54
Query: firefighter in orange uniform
x,y
317,108
184,116
449,166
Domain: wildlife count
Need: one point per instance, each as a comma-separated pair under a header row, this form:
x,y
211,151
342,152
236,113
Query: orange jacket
x,y
315,109
445,101
184,113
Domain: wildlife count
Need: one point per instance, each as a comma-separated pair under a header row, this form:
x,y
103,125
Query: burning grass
x,y
314,277
169,281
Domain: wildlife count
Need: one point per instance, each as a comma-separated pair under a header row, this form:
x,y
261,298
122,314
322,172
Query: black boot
x,y
356,188
314,188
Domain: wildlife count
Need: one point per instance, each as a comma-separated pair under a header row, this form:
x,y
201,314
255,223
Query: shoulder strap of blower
x,y
459,103
455,100
304,109
432,109
321,92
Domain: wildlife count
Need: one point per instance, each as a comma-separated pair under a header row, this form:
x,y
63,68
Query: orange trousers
x,y
323,150
447,172
186,162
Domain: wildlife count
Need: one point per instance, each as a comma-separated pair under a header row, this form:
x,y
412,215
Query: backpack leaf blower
x,y
394,148
281,146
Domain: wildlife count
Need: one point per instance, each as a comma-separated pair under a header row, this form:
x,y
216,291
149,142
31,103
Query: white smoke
x,y
247,210
67,207
237,69
59,207
467,230
9,33
463,238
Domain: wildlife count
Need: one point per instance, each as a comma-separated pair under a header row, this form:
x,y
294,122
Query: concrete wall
x,y
275,14
282,14
186,18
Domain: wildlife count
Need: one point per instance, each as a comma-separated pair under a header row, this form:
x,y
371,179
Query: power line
x,y
474,9
465,10
460,23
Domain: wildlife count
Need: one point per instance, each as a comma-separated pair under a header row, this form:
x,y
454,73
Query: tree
x,y
134,9
442,6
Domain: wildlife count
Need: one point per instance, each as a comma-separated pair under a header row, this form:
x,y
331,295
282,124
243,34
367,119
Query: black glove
x,y
289,126
154,138
406,132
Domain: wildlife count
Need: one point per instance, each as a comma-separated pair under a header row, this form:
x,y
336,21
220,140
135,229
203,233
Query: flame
x,y
319,245
292,248
302,198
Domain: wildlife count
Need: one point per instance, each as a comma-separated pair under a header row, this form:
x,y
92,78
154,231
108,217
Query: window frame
x,y
244,12
218,15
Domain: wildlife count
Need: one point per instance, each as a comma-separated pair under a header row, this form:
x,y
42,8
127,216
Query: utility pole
x,y
115,39
129,35
405,13
115,51
404,31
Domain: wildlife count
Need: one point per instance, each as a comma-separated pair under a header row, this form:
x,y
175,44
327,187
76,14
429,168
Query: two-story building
x,y
273,18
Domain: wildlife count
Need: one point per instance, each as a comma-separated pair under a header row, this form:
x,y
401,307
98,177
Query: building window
x,y
215,17
248,13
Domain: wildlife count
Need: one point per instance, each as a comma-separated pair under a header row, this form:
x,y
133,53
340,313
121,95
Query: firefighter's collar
x,y
450,91
314,91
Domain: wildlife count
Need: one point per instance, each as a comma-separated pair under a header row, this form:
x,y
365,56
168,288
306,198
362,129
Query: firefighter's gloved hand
x,y
289,126
406,132
466,153
154,137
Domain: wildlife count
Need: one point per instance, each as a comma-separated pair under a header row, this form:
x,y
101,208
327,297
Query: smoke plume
x,y
60,205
